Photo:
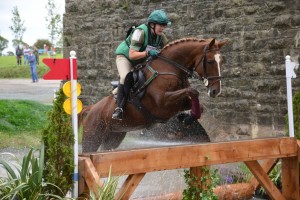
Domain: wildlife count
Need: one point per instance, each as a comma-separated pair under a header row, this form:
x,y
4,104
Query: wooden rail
x,y
136,163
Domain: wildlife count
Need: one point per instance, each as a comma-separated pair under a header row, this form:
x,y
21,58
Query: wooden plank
x,y
267,166
290,178
155,159
129,186
91,176
264,180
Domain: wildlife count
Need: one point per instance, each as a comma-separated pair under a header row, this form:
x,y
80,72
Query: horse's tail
x,y
83,113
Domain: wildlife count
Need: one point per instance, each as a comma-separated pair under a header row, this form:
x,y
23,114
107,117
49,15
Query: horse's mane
x,y
181,41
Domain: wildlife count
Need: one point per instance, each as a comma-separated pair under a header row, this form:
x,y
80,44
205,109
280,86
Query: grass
x,y
22,122
10,69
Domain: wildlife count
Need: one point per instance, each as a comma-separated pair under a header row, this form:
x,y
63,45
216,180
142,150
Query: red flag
x,y
60,69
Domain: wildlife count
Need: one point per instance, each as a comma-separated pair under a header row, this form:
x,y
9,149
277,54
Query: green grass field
x,y
10,69
22,122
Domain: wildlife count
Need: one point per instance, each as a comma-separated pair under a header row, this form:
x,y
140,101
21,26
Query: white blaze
x,y
218,59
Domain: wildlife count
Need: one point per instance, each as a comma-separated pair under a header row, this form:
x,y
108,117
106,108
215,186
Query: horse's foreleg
x,y
93,137
178,97
89,144
113,141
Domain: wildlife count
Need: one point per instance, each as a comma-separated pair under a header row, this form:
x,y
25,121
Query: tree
x,y
54,22
3,44
40,43
17,28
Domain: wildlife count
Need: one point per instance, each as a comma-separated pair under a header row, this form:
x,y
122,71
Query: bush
x,y
25,180
59,144
296,112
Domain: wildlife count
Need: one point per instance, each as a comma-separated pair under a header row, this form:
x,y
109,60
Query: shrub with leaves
x,y
200,189
24,180
59,144
296,112
108,189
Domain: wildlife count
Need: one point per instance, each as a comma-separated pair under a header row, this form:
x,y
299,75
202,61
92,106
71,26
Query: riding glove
x,y
153,53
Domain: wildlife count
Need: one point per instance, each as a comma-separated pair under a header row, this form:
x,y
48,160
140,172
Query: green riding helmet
x,y
159,17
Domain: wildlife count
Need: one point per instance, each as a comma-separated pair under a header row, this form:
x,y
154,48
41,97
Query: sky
x,y
33,13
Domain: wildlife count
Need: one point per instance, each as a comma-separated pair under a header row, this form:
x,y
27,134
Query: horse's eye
x,y
210,61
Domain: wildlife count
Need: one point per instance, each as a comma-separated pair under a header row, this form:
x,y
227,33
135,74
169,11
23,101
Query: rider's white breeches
x,y
124,67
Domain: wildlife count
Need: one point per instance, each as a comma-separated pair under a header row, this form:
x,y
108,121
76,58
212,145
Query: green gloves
x,y
153,53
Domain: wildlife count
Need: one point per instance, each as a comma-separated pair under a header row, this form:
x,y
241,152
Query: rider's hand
x,y
153,53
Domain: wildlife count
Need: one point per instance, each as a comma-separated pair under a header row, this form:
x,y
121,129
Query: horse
x,y
166,93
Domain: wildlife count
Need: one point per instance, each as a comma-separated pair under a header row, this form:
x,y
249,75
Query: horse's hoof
x,y
188,120
182,116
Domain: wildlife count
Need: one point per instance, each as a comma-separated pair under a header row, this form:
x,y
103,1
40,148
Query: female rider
x,y
144,41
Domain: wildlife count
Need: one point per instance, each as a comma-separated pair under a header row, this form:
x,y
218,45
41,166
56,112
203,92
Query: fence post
x,y
289,67
74,122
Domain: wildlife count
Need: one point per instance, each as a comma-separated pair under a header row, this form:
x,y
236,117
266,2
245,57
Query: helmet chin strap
x,y
153,29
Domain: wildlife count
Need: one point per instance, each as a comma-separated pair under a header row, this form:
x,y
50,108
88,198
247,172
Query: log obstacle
x,y
137,162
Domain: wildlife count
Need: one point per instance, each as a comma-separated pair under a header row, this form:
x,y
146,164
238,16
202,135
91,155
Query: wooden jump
x,y
136,163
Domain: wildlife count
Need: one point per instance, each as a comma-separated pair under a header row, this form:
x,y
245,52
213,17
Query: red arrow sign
x,y
59,69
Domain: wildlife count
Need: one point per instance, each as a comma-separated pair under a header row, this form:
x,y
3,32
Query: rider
x,y
144,41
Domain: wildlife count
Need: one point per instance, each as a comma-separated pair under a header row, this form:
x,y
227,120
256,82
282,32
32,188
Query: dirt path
x,y
42,91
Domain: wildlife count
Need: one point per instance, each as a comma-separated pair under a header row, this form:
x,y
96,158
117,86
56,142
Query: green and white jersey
x,y
138,40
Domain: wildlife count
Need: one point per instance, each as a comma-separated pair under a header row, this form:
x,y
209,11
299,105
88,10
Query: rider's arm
x,y
136,55
136,43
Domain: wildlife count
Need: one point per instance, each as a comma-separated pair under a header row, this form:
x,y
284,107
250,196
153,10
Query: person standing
x,y
19,55
36,53
32,63
26,53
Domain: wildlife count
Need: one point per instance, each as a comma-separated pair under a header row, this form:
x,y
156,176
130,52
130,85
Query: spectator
x,y
36,53
54,52
19,55
46,50
32,62
26,53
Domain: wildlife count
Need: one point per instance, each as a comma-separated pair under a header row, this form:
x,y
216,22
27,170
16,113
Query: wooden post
x,y
82,187
197,173
267,166
290,184
129,186
264,180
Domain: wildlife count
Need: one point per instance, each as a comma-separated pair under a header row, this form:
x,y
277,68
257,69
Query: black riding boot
x,y
118,112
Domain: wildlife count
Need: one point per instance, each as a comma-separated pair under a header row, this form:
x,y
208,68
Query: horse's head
x,y
208,66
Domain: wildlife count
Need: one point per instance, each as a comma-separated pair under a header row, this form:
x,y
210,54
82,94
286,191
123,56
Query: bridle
x,y
205,77
191,73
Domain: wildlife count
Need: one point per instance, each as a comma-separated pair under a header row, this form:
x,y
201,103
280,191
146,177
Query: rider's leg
x,y
124,67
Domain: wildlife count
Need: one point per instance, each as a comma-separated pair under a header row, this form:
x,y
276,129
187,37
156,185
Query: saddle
x,y
135,84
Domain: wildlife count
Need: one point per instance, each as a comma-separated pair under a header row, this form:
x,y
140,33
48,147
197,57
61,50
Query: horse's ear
x,y
221,43
212,42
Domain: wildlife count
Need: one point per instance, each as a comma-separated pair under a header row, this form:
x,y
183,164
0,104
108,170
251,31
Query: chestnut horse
x,y
167,93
